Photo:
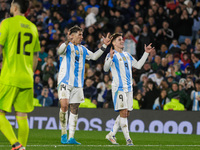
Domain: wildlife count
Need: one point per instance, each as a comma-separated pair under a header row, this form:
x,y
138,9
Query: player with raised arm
x,y
120,63
71,79
19,43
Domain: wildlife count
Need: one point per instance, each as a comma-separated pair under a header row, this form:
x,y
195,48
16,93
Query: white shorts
x,y
122,100
73,94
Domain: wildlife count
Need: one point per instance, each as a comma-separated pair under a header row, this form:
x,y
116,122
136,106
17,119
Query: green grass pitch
x,y
95,140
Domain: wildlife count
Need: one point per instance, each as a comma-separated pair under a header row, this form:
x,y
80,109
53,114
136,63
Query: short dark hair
x,y
114,36
24,4
75,29
197,81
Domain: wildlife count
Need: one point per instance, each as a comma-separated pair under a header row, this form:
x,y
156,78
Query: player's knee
x,y
64,104
124,113
2,112
74,108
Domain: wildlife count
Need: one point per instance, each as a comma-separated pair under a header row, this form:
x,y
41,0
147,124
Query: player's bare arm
x,y
140,63
148,48
35,60
106,40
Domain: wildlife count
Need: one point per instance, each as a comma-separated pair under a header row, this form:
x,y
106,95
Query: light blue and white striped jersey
x,y
194,95
72,66
121,69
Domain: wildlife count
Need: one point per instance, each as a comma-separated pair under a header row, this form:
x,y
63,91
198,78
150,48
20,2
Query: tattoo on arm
x,y
74,108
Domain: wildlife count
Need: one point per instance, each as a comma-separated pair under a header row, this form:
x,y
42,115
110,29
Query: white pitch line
x,y
106,145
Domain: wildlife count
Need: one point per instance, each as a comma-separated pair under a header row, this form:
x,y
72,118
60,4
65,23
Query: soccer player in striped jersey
x,y
71,79
195,96
120,63
19,43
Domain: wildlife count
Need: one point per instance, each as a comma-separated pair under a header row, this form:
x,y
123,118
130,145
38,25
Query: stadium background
x,y
172,27
174,30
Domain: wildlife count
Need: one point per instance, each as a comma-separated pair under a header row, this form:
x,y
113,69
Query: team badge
x,y
81,52
77,52
122,105
124,58
63,94
120,59
128,58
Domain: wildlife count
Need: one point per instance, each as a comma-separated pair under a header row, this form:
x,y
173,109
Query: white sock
x,y
72,124
116,126
124,127
63,116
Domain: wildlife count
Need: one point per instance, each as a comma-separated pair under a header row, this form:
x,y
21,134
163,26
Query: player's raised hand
x,y
107,40
111,52
148,48
69,38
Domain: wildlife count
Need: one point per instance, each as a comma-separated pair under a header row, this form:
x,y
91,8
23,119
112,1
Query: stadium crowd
x,y
173,28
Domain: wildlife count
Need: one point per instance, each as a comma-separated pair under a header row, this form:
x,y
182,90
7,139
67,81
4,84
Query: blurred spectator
x,y
61,20
157,77
185,60
137,101
51,86
101,88
196,63
102,21
144,38
185,26
90,91
190,47
165,34
163,50
44,99
37,86
92,3
54,6
197,46
160,17
174,104
156,65
195,96
90,19
174,47
4,7
184,97
109,101
151,94
49,70
42,54
174,22
81,11
116,20
161,100
164,64
130,43
142,82
196,25
170,59
55,98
